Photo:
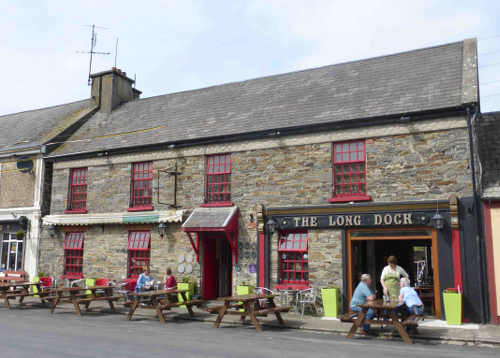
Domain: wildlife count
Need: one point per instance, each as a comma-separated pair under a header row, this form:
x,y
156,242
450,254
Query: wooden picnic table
x,y
82,295
385,314
248,305
13,290
160,300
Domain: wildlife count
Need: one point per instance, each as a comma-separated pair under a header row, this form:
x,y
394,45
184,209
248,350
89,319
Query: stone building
x,y
304,179
488,134
25,138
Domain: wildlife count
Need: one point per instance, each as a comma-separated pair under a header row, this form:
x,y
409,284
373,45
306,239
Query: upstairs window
x,y
139,252
141,196
218,180
77,193
293,260
73,255
349,171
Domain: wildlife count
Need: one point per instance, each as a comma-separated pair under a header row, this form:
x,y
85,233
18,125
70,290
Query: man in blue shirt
x,y
361,295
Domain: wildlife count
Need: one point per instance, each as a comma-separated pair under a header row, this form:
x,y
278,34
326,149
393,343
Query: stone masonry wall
x,y
16,188
422,166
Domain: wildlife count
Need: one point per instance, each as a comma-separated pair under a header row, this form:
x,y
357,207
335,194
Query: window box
x,y
348,199
76,211
72,276
141,208
221,204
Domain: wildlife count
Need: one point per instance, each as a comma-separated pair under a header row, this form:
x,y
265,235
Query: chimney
x,y
112,88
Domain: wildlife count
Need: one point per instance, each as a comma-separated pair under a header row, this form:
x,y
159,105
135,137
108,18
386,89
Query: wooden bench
x,y
216,309
348,317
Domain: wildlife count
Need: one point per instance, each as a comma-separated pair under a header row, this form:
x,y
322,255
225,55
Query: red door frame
x,y
495,318
209,269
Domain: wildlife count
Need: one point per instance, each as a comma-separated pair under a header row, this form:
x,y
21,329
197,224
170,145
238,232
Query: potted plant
x,y
20,234
330,298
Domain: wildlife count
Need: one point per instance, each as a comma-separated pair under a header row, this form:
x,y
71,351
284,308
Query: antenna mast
x,y
93,43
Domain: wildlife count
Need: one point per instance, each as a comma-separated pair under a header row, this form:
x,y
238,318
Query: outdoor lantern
x,y
162,229
271,225
438,221
52,230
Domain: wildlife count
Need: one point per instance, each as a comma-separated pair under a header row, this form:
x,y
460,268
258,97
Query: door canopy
x,y
217,219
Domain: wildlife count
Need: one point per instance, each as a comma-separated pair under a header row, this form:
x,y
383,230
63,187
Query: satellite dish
x,y
25,164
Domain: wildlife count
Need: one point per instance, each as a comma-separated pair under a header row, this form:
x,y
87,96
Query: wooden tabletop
x,y
77,289
17,284
244,298
380,304
156,292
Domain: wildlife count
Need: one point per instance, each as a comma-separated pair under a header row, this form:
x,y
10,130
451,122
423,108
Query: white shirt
x,y
388,269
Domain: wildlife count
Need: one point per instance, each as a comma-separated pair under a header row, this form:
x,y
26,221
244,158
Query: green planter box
x,y
453,307
189,286
244,290
330,298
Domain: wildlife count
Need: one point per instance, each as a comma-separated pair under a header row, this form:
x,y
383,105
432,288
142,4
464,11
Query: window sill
x,y
141,208
72,277
221,204
76,211
347,199
291,286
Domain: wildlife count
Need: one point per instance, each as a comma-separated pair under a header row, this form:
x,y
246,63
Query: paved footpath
x,y
34,332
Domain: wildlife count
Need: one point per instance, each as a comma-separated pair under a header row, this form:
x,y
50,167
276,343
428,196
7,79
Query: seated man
x,y
409,297
145,281
361,295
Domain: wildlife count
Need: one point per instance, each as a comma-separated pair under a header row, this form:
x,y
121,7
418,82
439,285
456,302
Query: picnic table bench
x,y
82,295
160,300
249,305
385,314
13,290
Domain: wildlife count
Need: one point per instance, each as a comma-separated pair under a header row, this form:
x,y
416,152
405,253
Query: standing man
x,y
361,295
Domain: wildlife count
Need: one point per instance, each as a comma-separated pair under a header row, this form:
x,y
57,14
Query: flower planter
x,y
330,298
452,307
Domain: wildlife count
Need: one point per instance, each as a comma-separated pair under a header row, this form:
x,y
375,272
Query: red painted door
x,y
209,275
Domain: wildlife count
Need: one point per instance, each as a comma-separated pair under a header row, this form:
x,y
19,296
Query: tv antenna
x,y
93,43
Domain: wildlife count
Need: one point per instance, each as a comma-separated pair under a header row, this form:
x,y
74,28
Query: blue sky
x,y
184,44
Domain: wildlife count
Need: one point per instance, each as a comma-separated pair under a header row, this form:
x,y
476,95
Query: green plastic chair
x,y
34,289
89,282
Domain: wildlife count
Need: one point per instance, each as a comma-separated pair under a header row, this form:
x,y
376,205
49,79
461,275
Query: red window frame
x,y
293,260
141,186
218,180
139,252
349,171
73,255
77,191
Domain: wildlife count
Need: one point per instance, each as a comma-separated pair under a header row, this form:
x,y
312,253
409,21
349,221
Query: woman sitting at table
x,y
391,274
409,297
145,281
170,281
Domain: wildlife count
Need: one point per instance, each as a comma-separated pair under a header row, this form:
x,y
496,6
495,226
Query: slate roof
x,y
420,80
488,132
30,128
210,217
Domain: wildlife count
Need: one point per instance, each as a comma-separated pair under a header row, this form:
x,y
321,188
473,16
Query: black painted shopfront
x,y
434,255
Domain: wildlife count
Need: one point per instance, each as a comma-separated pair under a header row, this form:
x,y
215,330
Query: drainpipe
x,y
478,218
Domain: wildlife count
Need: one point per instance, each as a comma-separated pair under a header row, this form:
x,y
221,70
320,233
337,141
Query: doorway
x,y
416,250
11,253
217,267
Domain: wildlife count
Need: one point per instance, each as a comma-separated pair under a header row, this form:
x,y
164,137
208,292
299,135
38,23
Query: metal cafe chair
x,y
306,298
